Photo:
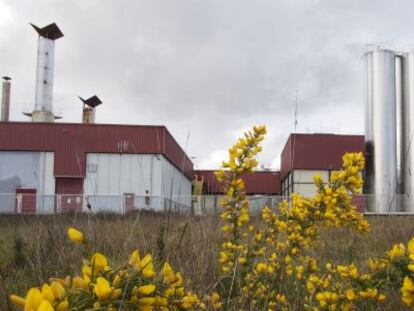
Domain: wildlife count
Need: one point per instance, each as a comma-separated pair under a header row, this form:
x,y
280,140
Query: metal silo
x,y
380,129
408,128
399,130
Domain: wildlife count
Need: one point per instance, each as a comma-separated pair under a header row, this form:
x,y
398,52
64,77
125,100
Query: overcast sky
x,y
206,69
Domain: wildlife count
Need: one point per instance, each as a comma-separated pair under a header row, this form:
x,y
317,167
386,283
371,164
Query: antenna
x,y
293,144
296,110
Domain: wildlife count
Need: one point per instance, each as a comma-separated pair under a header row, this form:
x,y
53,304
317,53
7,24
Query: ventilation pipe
x,y
5,99
43,111
89,105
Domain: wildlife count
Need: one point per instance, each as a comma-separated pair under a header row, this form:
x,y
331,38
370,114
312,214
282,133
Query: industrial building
x,y
50,167
108,165
307,155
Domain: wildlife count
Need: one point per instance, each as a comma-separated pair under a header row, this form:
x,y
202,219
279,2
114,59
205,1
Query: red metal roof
x,y
70,143
317,151
263,182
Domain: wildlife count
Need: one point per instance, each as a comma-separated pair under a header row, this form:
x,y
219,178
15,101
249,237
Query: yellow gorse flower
x,y
407,292
75,235
99,262
398,250
18,301
146,266
45,305
33,299
146,290
102,288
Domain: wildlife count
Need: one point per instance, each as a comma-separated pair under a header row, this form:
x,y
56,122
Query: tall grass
x,y
34,248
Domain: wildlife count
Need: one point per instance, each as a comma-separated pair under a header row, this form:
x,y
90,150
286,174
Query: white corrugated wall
x,y
110,176
28,170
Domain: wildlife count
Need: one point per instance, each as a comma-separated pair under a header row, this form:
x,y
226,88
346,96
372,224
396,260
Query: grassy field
x,y
34,248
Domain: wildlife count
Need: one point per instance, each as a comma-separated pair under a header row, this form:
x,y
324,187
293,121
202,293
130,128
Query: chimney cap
x,y
6,78
51,31
91,101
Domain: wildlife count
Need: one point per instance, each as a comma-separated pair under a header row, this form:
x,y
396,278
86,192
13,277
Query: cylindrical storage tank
x,y
399,132
44,74
408,128
380,130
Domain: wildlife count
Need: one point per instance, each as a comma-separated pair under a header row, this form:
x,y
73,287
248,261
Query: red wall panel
x,y
69,185
255,183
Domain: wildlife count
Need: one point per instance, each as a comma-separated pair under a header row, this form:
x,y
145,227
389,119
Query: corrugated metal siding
x,y
286,159
123,173
262,183
27,169
69,185
255,183
318,151
71,141
176,154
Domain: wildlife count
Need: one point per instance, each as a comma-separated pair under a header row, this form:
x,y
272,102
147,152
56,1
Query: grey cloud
x,y
211,68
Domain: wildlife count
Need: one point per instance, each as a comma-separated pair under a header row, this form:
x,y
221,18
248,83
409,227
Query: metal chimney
x,y
5,99
43,111
380,129
89,105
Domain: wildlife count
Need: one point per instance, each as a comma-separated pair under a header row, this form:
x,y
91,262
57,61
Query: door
x,y
25,201
129,200
69,193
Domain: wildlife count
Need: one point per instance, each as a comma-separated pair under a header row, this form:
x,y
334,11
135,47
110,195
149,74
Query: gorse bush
x,y
136,285
265,264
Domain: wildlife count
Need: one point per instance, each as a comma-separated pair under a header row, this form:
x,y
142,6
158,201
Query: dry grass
x,y
34,248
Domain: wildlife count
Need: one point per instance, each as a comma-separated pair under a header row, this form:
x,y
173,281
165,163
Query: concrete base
x,y
42,116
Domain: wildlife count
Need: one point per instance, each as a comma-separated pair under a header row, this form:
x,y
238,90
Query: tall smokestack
x,y
5,99
43,111
89,105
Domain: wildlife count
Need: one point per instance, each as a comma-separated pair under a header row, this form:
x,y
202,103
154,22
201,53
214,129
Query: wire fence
x,y
27,203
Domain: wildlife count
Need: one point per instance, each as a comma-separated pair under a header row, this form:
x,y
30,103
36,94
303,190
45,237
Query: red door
x,y
69,193
128,202
25,201
361,203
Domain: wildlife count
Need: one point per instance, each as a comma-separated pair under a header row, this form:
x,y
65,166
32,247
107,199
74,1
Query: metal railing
x,y
26,203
